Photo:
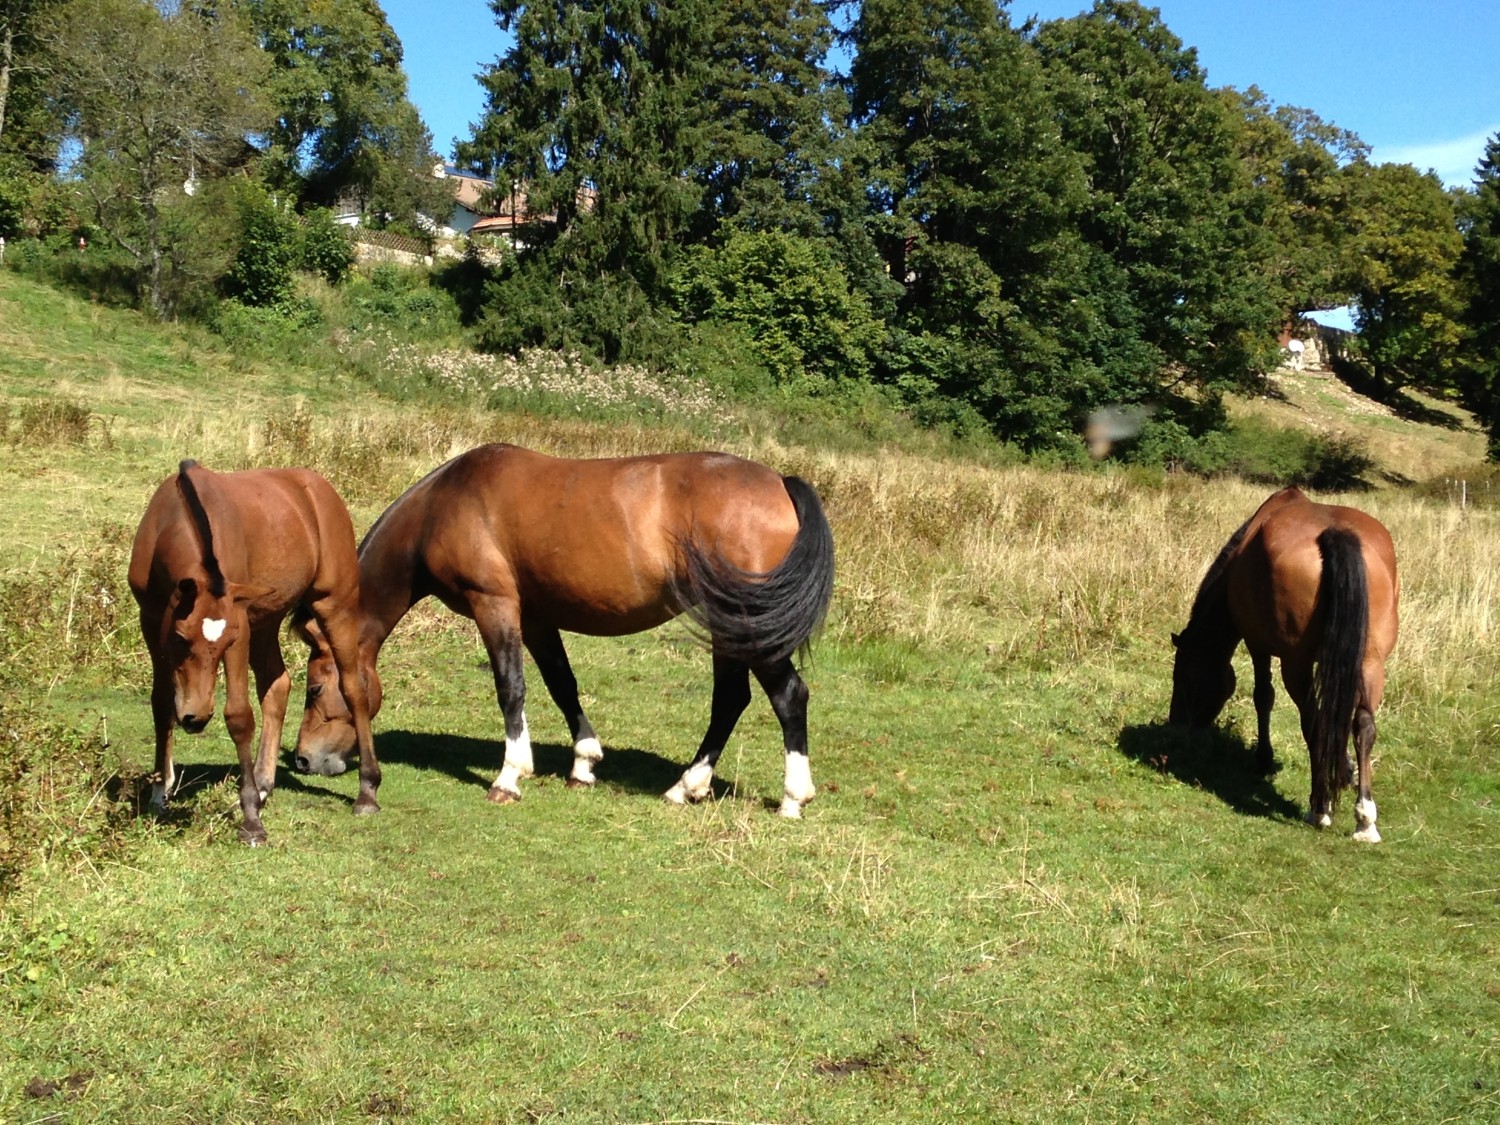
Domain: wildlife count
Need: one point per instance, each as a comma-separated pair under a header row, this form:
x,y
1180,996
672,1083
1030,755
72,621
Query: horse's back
x,y
1275,584
594,545
283,529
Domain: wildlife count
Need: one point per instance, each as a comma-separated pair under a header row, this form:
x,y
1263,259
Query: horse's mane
x,y
1206,602
216,584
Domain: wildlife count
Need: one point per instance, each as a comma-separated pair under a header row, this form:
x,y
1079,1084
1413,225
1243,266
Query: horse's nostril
x,y
194,723
303,764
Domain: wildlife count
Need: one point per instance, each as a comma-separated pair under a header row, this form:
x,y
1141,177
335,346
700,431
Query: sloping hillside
x,y
1418,439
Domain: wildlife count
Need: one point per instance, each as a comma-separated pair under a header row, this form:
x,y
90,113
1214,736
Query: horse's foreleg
x,y
788,695
338,617
240,719
731,697
1265,699
163,718
273,685
500,627
546,647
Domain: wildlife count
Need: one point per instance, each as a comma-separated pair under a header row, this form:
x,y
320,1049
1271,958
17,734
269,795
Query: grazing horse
x,y
219,560
528,545
1315,585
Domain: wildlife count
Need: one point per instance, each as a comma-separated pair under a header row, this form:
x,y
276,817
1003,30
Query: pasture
x,y
1018,895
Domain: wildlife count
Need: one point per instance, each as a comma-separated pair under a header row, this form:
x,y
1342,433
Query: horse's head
x,y
198,627
326,742
1202,683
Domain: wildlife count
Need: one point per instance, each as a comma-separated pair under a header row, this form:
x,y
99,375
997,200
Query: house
x,y
478,211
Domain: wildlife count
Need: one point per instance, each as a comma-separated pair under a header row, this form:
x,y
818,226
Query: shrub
x,y
261,273
323,247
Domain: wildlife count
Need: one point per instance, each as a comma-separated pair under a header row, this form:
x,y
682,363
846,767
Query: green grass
x,y
1018,896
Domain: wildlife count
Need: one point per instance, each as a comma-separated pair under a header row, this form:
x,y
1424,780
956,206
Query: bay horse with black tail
x,y
1315,585
219,560
529,546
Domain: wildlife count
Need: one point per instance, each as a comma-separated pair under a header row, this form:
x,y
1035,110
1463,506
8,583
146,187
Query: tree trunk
x,y
7,55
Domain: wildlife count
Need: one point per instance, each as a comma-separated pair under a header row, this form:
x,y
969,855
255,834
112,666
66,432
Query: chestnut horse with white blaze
x,y
529,546
1314,585
219,561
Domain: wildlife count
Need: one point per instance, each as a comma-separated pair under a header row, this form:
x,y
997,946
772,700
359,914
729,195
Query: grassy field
x,y
1019,896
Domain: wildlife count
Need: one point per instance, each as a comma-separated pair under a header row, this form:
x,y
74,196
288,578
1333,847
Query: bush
x,y
1255,453
791,299
323,247
266,259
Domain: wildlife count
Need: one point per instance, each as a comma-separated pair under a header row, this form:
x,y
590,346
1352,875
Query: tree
x,y
975,199
1479,287
1405,247
1300,197
343,125
597,113
155,100
1170,211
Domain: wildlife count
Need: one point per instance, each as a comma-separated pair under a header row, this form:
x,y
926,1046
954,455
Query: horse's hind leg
x,y
546,647
788,695
1364,742
1298,681
731,697
500,628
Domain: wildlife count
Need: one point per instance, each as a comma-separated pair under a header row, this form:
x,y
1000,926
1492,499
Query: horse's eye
x,y
314,690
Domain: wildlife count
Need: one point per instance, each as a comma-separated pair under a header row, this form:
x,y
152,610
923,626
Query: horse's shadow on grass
x,y
476,761
1212,760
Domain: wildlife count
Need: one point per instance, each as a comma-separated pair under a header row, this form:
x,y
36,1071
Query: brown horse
x,y
1315,585
528,545
219,560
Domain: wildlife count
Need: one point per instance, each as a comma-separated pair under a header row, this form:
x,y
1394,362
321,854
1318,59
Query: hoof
x,y
1318,820
577,783
252,837
1367,835
365,808
790,809
499,796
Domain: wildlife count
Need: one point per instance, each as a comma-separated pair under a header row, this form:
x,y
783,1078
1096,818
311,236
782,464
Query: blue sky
x,y
1418,80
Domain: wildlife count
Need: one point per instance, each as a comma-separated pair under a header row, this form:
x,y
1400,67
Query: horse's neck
x,y
1211,625
387,569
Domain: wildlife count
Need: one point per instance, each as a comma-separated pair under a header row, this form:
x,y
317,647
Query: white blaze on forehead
x,y
213,628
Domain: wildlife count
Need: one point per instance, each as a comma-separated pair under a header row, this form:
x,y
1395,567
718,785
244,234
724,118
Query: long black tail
x,y
1343,598
761,619
205,532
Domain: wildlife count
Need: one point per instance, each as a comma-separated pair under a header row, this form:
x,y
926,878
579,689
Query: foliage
x,y
156,101
1406,245
323,247
1254,452
790,298
266,259
1478,275
344,128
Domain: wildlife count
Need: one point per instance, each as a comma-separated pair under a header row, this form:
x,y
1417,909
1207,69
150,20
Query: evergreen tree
x,y
974,199
1479,282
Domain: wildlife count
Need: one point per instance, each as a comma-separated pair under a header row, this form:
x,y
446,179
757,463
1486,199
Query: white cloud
x,y
1454,161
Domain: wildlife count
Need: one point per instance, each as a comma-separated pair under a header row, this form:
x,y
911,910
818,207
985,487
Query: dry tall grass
x,y
1013,563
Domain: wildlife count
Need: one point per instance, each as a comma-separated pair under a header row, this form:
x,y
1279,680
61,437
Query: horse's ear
x,y
187,594
1176,640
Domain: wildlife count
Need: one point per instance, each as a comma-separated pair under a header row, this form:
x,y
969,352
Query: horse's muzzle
x,y
320,762
194,724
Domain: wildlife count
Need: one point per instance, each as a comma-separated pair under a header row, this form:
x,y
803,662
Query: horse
x,y
218,562
1314,585
529,546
